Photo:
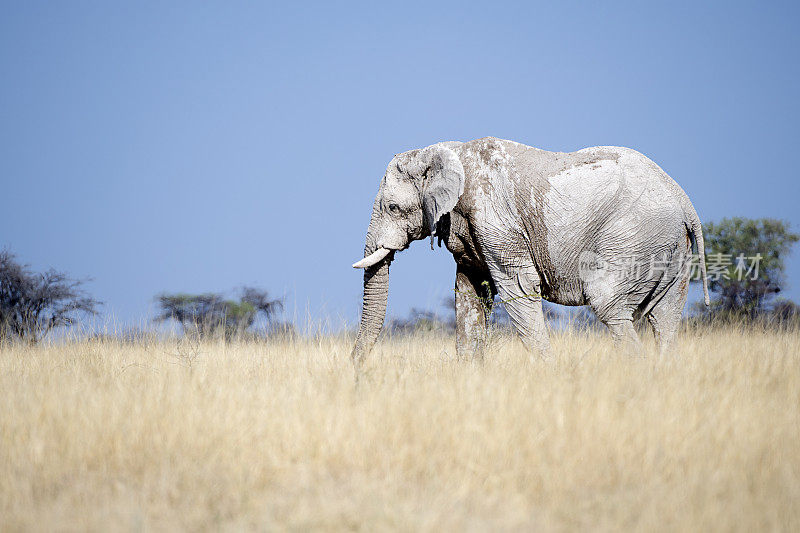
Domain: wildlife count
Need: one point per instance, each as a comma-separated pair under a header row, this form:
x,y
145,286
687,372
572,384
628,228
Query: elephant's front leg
x,y
520,293
473,305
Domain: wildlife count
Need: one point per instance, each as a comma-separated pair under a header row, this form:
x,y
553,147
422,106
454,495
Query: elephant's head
x,y
418,188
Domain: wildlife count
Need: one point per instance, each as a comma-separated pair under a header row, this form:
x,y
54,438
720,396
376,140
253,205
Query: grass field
x,y
164,435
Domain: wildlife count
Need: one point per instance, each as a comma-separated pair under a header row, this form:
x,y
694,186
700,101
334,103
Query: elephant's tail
x,y
696,234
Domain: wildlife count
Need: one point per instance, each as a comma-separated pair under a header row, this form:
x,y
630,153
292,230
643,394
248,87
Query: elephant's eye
x,y
394,208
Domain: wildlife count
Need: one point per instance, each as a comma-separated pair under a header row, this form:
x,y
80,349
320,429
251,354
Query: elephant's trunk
x,y
376,294
373,310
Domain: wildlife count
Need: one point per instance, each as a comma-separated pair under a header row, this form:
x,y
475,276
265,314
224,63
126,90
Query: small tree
x,y
33,303
210,313
762,245
418,321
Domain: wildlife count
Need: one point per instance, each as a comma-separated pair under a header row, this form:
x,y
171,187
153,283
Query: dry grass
x,y
99,435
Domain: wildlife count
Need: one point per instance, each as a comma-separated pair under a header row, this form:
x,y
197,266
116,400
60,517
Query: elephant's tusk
x,y
373,258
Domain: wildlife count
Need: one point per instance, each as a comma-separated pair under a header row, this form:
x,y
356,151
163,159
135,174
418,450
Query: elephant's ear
x,y
442,186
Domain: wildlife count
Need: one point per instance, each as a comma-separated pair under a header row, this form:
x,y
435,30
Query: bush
x,y
33,303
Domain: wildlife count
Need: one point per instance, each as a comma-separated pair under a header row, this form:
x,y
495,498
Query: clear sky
x,y
201,146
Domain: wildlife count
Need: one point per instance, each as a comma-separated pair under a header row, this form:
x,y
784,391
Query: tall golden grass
x,y
104,435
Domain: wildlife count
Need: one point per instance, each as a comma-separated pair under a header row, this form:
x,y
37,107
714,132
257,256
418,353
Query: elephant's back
x,y
586,190
602,181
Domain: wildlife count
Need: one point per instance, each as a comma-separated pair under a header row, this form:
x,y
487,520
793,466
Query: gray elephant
x,y
603,227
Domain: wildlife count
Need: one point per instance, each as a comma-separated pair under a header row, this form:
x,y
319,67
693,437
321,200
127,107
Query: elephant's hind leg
x,y
624,334
615,311
665,317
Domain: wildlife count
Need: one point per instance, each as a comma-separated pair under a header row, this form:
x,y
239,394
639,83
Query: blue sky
x,y
202,146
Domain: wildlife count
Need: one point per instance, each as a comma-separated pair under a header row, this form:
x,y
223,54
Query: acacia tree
x,y
33,303
749,289
209,314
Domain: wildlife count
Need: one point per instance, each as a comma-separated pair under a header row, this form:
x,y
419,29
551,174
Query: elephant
x,y
603,226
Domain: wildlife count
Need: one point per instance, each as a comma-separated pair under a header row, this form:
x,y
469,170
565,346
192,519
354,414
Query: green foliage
x,y
211,314
764,241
